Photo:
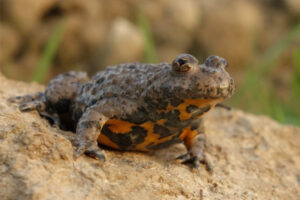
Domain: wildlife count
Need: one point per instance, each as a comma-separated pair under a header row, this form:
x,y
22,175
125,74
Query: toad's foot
x,y
30,102
189,158
26,98
91,150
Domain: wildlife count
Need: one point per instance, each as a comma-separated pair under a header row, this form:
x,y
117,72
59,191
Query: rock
x,y
229,29
173,25
9,43
294,7
26,16
253,157
198,27
125,43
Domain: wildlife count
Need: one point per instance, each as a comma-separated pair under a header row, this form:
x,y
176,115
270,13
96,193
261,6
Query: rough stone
x,y
9,43
125,43
294,7
229,31
253,157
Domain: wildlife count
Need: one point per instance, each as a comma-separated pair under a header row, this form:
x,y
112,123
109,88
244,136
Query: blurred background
x,y
259,38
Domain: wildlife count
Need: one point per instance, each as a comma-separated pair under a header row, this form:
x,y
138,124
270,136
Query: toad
x,y
134,106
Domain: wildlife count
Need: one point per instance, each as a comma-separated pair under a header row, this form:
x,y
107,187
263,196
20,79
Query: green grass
x,y
296,77
150,50
257,93
49,53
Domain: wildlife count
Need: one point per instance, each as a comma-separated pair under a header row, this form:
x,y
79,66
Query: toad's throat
x,y
191,108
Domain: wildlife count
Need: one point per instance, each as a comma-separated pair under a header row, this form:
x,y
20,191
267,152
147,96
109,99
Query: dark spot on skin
x,y
99,81
172,118
162,105
175,102
138,117
115,81
219,91
132,67
127,81
162,131
87,87
136,136
92,102
165,144
151,105
191,108
154,116
94,91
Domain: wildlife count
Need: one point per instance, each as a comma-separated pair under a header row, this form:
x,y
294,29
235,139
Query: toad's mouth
x,y
223,91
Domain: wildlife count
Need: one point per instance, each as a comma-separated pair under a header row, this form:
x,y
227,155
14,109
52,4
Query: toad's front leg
x,y
92,121
88,130
195,141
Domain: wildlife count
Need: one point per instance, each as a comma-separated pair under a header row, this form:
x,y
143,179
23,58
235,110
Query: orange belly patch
x,y
187,135
151,138
119,126
103,139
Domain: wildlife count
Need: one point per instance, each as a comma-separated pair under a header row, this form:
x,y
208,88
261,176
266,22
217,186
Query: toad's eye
x,y
184,62
215,62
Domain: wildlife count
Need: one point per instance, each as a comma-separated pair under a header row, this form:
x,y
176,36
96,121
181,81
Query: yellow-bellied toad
x,y
136,106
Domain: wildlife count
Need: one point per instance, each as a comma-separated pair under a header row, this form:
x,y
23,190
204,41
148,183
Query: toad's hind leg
x,y
57,98
30,102
61,91
60,95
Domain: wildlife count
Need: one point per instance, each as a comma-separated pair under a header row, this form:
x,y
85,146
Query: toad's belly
x,y
123,135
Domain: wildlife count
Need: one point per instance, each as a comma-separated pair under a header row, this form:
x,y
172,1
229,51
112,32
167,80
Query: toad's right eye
x,y
215,62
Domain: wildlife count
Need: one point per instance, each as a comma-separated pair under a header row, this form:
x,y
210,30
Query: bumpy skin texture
x,y
136,106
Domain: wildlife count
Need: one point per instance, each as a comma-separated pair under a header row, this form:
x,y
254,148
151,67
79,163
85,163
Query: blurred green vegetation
x,y
150,51
255,94
49,53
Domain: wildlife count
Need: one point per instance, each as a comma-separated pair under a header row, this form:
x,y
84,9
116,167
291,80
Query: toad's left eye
x,y
184,62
